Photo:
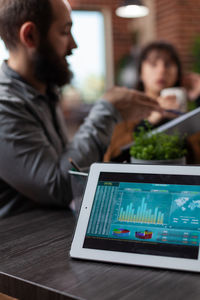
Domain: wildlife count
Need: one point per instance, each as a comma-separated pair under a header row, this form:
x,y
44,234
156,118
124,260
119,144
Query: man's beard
x,y
49,68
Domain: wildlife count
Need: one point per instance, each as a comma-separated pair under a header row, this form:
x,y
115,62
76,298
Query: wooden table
x,y
35,264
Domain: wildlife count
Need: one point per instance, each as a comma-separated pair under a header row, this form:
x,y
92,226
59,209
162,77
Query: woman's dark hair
x,y
159,46
14,13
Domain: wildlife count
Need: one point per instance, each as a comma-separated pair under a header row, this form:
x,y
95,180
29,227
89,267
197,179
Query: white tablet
x,y
146,215
186,124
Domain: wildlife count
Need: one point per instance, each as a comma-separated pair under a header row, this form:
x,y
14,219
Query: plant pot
x,y
175,161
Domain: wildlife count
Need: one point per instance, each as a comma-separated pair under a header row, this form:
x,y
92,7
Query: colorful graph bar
x,y
141,215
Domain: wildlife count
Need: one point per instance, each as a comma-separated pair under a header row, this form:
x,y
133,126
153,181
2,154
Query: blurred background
x,y
108,46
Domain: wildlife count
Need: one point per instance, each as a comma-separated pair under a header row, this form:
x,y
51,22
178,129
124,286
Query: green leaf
x,y
157,146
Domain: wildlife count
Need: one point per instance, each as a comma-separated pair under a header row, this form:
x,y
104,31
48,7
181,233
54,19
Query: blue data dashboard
x,y
142,217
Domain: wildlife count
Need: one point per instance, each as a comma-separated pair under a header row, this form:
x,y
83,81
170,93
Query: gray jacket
x,y
34,149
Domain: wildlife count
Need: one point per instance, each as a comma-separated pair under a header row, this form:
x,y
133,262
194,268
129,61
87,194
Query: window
x,y
3,52
88,62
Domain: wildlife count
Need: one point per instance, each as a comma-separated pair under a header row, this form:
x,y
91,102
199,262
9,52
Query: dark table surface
x,y
35,264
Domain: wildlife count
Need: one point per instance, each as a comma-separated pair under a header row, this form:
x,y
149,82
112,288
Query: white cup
x,y
181,96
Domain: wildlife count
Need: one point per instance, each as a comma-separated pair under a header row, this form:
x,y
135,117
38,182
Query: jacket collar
x,y
9,76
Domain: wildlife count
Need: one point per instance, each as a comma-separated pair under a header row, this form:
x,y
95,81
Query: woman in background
x,y
159,67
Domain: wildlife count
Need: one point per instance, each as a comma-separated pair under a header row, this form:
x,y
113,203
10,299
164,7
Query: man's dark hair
x,y
160,46
14,13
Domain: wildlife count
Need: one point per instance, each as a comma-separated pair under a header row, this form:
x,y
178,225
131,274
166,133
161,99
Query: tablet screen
x,y
155,214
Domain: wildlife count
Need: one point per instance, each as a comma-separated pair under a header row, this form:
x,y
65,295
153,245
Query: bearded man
x,y
34,148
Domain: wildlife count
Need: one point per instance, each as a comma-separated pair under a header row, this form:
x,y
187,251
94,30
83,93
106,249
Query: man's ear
x,y
29,35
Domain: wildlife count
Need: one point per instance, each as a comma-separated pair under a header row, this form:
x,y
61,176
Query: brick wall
x,y
178,21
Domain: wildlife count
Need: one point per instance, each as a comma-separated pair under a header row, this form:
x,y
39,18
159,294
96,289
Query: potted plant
x,y
157,148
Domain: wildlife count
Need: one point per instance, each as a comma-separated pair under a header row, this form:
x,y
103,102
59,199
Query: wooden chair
x,y
122,135
193,147
5,297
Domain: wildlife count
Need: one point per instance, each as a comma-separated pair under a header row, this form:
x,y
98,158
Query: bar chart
x,y
141,214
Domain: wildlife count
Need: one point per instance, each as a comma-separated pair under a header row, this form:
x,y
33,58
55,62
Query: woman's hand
x,y
166,103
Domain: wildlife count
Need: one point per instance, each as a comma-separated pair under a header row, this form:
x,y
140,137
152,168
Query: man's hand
x,y
132,104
